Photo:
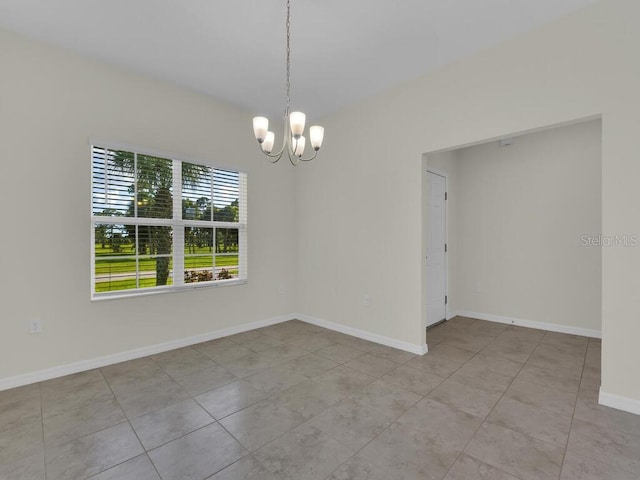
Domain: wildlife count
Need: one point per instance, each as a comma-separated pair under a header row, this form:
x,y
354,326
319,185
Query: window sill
x,y
98,297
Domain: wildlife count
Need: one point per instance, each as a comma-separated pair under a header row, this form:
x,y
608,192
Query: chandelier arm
x,y
294,160
299,158
272,158
277,154
315,154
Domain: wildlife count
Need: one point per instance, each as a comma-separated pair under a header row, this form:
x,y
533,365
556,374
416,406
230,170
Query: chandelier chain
x,y
288,59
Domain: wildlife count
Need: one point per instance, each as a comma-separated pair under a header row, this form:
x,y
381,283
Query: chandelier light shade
x,y
294,141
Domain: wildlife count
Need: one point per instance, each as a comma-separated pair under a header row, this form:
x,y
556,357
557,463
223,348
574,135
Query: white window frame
x,y
177,223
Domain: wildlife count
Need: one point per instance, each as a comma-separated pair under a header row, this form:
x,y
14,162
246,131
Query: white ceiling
x,y
342,50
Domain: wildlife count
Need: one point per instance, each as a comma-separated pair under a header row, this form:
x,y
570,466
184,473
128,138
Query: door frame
x,y
443,174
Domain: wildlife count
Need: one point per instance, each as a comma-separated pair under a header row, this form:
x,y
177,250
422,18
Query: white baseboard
x,y
372,337
619,402
450,315
551,327
84,365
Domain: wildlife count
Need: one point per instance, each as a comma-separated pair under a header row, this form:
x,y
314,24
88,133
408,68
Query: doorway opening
x,y
515,241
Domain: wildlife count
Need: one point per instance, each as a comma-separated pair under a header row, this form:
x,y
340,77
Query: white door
x,y
436,238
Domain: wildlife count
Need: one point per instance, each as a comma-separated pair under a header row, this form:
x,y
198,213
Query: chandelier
x,y
294,141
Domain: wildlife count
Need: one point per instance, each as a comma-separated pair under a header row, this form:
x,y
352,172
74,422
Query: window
x,y
163,224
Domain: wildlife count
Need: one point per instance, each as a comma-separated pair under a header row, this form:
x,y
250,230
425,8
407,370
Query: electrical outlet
x,y
366,300
478,287
35,326
281,290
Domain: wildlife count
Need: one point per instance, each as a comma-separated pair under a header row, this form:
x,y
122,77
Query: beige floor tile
x,y
309,398
463,397
306,453
283,353
435,336
17,410
19,394
71,381
496,364
72,424
387,397
460,321
393,354
472,341
244,337
515,453
542,424
468,468
309,342
198,455
442,360
274,379
482,378
162,426
21,442
183,362
371,365
138,468
345,380
132,374
605,444
93,453
261,423
558,377
249,364
339,353
222,350
413,379
565,340
311,365
359,467
576,467
304,414
511,348
487,328
354,342
551,355
150,397
592,373
24,468
58,400
247,468
589,410
230,398
442,423
542,396
594,354
203,381
261,343
522,334
412,453
352,423
279,330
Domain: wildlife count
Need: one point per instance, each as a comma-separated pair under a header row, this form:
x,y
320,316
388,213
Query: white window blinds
x,y
160,224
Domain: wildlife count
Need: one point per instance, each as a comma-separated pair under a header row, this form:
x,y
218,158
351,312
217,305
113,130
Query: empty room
x,y
433,274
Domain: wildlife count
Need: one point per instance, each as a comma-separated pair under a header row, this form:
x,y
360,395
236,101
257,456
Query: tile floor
x,y
294,401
